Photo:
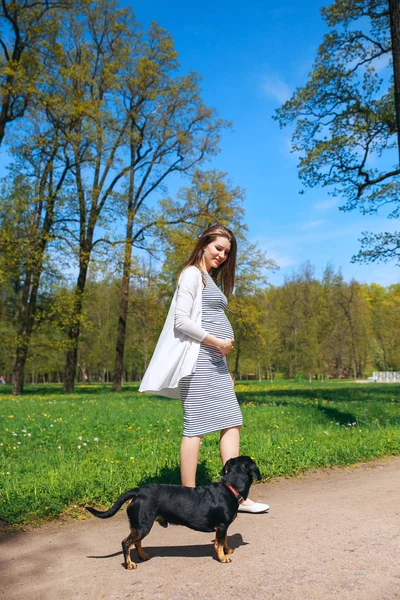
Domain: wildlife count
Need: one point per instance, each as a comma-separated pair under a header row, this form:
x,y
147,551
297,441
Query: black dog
x,y
210,507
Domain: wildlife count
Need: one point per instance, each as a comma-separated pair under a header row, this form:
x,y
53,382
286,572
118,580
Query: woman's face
x,y
215,253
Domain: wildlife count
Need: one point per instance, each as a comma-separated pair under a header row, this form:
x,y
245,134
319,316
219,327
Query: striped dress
x,y
208,398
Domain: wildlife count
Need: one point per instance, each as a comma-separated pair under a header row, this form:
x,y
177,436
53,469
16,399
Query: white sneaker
x,y
257,507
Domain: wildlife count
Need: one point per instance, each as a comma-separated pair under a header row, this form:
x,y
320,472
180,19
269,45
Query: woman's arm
x,y
188,284
188,287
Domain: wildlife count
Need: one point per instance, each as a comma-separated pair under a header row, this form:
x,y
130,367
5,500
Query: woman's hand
x,y
226,346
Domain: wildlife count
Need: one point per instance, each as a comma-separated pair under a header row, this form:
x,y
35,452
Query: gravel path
x,y
333,533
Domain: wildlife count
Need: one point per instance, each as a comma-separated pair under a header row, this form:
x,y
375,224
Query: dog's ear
x,y
226,468
254,471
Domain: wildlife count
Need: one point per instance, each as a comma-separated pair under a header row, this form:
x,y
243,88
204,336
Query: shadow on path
x,y
189,551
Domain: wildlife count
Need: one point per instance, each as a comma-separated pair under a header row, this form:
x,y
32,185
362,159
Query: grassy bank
x,y
58,450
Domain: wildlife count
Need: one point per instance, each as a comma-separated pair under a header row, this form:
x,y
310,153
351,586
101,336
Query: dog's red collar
x,y
238,496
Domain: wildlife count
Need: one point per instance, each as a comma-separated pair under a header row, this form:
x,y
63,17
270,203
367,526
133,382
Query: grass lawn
x,y
64,450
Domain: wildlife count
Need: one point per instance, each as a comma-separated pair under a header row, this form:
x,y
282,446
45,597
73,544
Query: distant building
x,y
385,377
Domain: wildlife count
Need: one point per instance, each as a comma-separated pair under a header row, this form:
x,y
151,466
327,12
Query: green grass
x,y
61,450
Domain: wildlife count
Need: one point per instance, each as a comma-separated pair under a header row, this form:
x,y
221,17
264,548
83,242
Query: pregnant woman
x,y
189,361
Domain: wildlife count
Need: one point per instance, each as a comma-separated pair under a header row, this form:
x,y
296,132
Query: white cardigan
x,y
177,350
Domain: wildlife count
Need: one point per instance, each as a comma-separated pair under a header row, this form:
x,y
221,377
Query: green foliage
x,y
306,327
385,320
346,131
28,32
211,198
89,447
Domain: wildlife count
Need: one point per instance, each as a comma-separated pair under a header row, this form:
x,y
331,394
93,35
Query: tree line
x,y
307,327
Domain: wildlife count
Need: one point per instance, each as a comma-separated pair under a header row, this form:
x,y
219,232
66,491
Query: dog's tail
x,y
115,507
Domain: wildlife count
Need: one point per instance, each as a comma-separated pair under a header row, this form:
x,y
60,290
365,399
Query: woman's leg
x,y
190,447
229,445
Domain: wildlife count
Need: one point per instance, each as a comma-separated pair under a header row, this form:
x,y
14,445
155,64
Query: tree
x,y
211,198
170,131
128,122
332,327
353,314
27,33
92,53
296,316
97,338
27,216
348,115
385,320
148,306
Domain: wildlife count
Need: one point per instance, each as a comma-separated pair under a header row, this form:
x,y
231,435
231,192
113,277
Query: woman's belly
x,y
218,326
221,328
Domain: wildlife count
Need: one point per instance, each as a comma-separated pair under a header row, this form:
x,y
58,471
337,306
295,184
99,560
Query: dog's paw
x,y
228,550
225,559
130,566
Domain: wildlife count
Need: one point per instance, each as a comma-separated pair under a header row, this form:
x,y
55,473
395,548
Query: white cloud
x,y
323,241
276,249
282,260
274,87
384,274
312,224
324,205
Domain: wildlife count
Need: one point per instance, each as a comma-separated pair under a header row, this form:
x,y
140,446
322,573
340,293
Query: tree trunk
x,y
17,377
4,115
71,359
27,309
26,316
394,10
123,315
118,374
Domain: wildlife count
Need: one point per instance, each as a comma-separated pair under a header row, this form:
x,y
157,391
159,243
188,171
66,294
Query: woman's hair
x,y
224,275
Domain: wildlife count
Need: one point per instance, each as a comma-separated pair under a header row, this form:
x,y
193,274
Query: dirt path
x,y
329,534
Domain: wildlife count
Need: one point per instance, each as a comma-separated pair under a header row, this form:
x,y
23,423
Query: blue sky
x,y
251,56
